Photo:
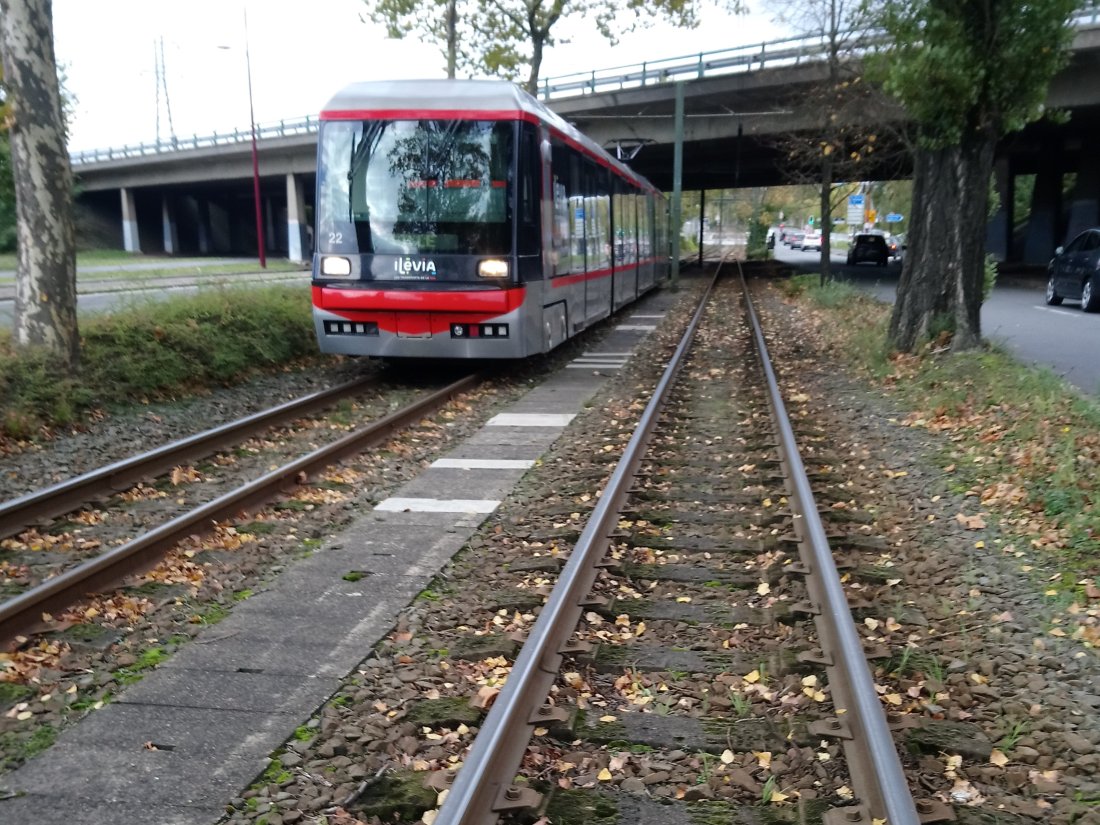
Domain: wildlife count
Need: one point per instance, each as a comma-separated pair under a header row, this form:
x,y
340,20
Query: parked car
x,y
1074,272
811,240
868,247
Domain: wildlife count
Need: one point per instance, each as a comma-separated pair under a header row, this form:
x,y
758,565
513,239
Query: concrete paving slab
x,y
478,447
445,483
514,437
412,503
203,755
36,810
204,689
453,463
405,517
540,418
324,641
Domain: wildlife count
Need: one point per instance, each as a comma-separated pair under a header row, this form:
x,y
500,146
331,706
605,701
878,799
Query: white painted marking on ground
x,y
632,317
636,327
484,463
594,366
1067,312
437,505
531,420
607,354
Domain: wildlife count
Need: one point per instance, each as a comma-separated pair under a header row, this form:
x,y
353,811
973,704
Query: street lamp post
x,y
255,156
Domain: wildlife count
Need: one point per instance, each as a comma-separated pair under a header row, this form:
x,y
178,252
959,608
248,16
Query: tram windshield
x,y
406,187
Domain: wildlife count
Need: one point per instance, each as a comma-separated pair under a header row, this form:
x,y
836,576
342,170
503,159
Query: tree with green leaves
x,y
967,72
45,286
504,37
849,119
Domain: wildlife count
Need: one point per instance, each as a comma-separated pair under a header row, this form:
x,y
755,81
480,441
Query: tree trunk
x,y
944,267
452,38
45,286
536,65
826,218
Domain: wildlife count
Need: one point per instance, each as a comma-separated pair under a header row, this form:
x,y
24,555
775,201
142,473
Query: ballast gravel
x,y
976,611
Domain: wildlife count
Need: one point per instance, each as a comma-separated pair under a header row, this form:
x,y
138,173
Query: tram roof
x,y
457,98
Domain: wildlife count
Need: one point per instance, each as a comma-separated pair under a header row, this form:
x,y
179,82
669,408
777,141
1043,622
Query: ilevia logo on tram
x,y
464,219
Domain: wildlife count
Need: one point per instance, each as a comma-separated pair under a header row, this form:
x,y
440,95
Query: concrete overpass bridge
x,y
195,195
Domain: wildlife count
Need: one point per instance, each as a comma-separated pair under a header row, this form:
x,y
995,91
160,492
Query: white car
x,y
812,240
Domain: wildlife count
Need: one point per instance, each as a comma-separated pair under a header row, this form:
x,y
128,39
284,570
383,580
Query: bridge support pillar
x,y
131,240
204,227
297,246
269,226
1084,203
998,234
168,223
1046,209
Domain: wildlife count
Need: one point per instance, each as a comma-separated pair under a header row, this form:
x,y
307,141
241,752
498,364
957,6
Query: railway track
x,y
59,583
680,481
58,499
697,646
700,681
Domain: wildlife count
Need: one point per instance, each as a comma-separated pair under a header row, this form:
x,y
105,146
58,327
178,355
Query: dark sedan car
x,y
1074,272
868,247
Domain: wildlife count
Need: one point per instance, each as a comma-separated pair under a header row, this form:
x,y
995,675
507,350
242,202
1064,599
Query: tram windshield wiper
x,y
361,154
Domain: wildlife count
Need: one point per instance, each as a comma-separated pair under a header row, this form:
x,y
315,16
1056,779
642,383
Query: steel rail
x,y
23,611
871,753
478,795
66,496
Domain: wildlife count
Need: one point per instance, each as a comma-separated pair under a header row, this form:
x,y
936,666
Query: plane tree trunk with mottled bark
x,y
942,276
967,72
45,286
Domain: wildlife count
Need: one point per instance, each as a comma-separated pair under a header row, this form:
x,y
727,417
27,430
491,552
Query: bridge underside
x,y
734,136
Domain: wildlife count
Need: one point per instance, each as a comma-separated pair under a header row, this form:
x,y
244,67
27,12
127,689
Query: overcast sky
x,y
300,52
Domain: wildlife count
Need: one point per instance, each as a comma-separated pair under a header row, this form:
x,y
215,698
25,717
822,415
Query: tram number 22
x,y
335,237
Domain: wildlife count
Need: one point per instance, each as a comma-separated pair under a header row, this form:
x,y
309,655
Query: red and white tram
x,y
464,219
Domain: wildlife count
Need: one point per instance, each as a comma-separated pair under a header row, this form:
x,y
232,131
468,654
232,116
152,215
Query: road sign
x,y
894,217
855,211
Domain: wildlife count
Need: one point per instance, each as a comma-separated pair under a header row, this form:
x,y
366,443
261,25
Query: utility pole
x,y
677,176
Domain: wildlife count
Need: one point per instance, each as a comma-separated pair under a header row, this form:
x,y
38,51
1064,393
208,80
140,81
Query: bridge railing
x,y
283,128
785,52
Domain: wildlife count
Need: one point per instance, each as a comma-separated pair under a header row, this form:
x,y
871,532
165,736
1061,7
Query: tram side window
x,y
559,170
527,228
626,226
603,217
576,213
595,234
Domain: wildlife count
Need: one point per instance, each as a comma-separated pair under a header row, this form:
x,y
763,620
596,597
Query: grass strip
x,y
1018,439
155,350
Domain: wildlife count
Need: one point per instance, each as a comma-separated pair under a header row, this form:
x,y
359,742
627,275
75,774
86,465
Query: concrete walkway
x,y
219,707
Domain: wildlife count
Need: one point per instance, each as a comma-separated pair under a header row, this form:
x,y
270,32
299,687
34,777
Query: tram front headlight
x,y
335,267
492,268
